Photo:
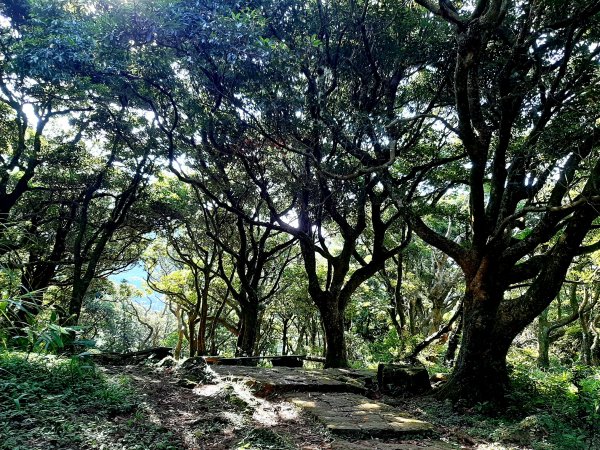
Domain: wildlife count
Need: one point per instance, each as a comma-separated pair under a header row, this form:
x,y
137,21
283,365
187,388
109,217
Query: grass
x,y
49,402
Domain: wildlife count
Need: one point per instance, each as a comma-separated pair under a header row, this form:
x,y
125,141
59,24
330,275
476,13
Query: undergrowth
x,y
553,409
49,402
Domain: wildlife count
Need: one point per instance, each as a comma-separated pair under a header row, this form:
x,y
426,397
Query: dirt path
x,y
227,415
221,416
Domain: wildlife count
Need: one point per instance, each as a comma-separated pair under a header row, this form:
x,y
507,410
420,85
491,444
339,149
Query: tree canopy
x,y
321,171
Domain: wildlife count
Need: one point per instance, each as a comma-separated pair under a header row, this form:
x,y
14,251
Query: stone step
x,y
376,444
355,416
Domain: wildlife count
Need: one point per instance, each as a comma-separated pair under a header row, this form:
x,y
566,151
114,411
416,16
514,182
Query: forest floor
x,y
57,403
227,415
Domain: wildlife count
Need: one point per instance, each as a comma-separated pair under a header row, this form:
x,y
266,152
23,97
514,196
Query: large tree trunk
x,y
335,340
480,371
248,330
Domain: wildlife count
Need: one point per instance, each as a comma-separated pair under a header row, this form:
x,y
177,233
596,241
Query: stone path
x,y
266,381
356,416
375,444
335,397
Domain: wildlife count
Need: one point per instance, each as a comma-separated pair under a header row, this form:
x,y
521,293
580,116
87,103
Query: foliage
x,y
47,399
565,399
68,403
42,331
545,410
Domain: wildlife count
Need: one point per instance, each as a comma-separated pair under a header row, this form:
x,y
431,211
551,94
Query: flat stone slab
x,y
279,380
352,415
373,444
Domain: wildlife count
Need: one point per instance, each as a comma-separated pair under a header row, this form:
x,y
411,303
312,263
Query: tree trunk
x,y
177,353
412,315
203,312
396,309
201,341
284,346
335,340
212,333
248,330
595,347
313,335
300,342
480,372
450,355
437,315
191,335
80,288
543,336
586,338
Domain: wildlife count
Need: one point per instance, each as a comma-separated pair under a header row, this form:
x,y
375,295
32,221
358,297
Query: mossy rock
x,y
229,395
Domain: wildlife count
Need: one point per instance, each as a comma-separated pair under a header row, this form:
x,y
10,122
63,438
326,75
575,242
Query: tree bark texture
x,y
336,355
249,323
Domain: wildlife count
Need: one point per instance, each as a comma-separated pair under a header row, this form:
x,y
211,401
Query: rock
x,y
196,370
437,377
168,361
266,381
396,379
372,389
353,416
529,429
196,362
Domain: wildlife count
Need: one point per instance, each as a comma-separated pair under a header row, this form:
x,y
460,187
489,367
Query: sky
x,y
136,276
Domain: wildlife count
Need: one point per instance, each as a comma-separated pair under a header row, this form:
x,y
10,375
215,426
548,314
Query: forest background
x,y
365,180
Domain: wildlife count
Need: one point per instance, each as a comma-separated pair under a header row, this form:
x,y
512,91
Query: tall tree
x,y
324,109
525,111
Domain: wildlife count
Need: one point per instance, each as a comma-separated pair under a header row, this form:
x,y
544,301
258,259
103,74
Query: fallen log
x,y
154,353
158,352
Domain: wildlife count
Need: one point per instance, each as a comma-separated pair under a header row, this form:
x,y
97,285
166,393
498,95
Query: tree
x,y
258,257
525,88
320,114
55,110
